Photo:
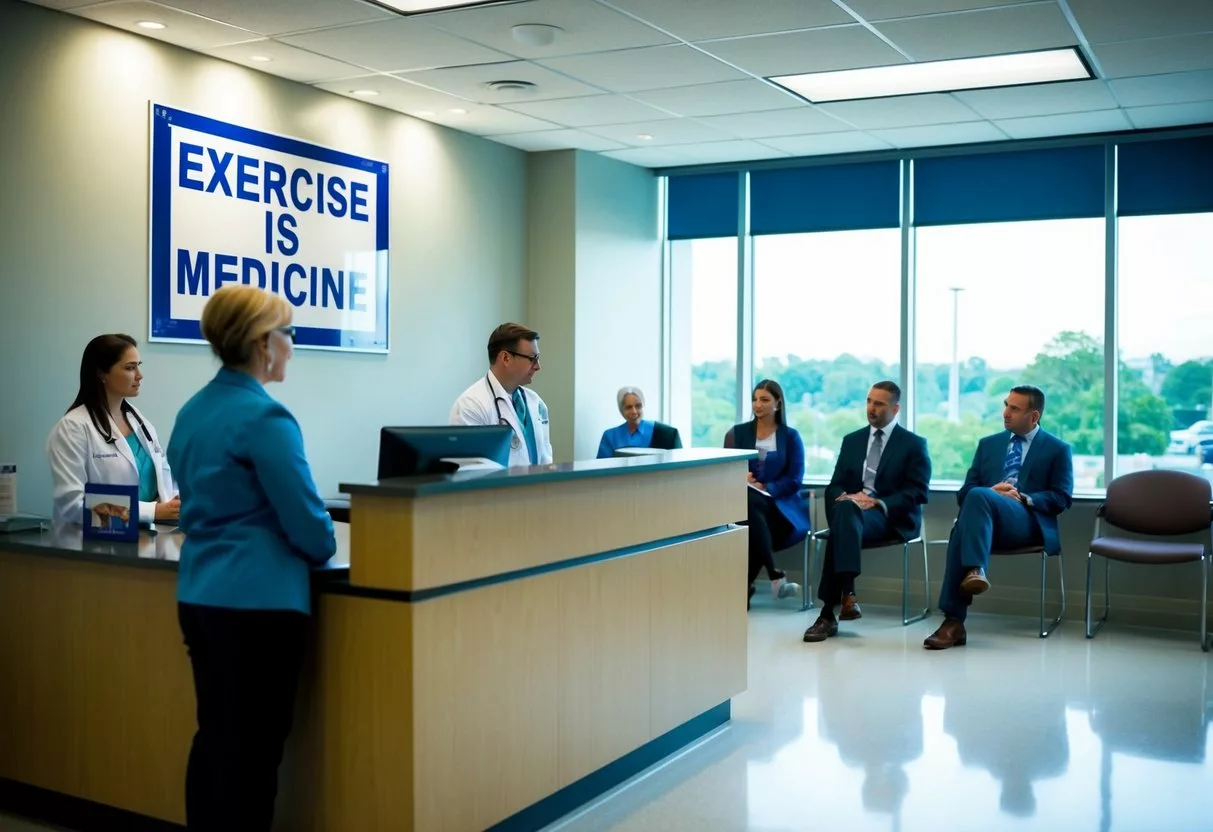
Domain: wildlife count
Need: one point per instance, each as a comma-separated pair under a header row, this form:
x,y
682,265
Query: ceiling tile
x,y
940,134
1040,99
827,143
1171,115
472,82
663,132
183,29
1177,88
394,46
587,27
725,98
735,151
288,62
848,47
590,110
903,111
694,20
1103,21
1107,121
983,32
484,120
650,157
645,69
557,140
1154,57
791,122
891,9
64,5
275,17
395,94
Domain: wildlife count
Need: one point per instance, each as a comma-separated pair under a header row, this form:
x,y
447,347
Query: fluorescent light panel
x,y
407,7
1019,69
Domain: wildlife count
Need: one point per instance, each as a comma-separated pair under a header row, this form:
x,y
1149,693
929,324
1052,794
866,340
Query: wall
x,y
73,232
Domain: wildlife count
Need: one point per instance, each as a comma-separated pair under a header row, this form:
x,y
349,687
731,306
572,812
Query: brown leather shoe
x,y
951,633
850,609
822,629
975,581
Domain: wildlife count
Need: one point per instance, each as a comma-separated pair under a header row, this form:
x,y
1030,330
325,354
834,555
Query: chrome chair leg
x,y
806,588
1206,642
1045,632
906,619
1095,627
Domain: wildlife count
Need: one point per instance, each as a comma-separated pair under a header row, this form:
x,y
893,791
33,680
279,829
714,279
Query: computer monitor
x,y
407,451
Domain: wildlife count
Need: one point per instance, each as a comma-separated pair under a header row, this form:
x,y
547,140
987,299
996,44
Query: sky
x,y
817,295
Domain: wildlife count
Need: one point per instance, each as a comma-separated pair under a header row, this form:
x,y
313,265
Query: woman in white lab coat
x,y
104,439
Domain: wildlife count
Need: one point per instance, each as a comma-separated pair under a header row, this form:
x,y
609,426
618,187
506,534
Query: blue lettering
x,y
219,174
195,276
251,265
185,165
274,277
296,175
286,228
357,200
292,270
224,262
275,178
269,232
333,285
246,180
312,286
357,288
320,193
337,203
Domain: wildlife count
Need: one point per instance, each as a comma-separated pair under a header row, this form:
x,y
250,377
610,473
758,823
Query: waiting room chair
x,y
824,534
1158,504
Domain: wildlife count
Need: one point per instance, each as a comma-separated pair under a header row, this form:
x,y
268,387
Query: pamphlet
x,y
111,512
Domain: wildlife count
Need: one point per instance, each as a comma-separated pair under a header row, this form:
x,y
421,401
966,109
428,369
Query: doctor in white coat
x,y
500,396
104,439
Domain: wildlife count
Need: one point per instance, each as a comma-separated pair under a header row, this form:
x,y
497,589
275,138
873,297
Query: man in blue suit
x,y
1020,480
879,486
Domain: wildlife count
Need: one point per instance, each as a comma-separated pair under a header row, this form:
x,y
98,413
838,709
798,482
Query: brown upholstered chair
x,y
1160,504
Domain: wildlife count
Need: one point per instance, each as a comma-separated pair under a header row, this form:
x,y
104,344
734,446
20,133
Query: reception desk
x,y
502,647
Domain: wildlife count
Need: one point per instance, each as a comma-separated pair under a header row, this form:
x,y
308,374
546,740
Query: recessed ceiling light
x,y
458,111
365,93
1019,69
150,24
260,59
423,6
424,113
644,137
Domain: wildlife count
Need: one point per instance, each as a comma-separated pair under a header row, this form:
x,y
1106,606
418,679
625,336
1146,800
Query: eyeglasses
x,y
534,359
288,331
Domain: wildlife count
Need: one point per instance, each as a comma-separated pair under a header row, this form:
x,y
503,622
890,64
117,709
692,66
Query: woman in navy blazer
x,y
777,517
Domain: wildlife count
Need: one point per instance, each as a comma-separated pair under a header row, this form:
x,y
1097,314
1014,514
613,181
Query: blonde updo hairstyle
x,y
237,317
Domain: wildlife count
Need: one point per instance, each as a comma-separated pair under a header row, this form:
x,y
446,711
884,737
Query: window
x,y
1006,303
703,336
827,324
1165,411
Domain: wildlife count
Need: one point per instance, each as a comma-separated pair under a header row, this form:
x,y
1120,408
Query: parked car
x,y
1185,441
1205,450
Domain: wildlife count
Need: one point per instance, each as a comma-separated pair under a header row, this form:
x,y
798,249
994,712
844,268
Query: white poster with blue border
x,y
234,205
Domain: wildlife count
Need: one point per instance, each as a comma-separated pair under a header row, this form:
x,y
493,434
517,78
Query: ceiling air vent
x,y
512,86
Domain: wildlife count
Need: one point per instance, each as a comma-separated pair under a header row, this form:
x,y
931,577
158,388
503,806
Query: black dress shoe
x,y
822,629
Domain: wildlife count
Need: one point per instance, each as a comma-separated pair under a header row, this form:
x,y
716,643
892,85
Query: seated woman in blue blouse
x,y
777,517
636,432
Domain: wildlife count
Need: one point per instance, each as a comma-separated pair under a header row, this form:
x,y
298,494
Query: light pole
x,y
954,376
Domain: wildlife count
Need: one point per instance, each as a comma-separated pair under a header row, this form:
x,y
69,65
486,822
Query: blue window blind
x,y
1167,177
826,198
1052,184
703,205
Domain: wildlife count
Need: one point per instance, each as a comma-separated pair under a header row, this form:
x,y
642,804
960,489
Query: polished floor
x,y
868,731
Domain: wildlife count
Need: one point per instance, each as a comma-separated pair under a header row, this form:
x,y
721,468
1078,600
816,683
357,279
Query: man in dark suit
x,y
877,492
1020,480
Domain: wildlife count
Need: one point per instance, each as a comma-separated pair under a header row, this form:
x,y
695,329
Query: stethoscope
x,y
515,439
130,411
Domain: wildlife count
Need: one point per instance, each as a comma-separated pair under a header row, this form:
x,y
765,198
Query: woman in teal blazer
x,y
777,516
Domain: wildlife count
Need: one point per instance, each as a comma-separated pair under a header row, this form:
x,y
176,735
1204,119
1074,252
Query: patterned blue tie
x,y
1014,460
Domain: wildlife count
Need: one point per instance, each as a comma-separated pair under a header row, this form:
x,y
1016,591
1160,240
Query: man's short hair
x,y
506,337
891,388
1036,396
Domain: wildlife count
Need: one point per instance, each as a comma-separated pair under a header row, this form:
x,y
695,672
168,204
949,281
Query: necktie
x,y
1014,460
873,462
520,405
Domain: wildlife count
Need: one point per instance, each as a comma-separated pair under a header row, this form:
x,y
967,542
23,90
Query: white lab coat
x,y
478,406
78,454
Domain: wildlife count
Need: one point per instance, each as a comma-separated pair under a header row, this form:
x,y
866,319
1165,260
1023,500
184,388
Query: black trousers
x,y
767,524
246,670
851,528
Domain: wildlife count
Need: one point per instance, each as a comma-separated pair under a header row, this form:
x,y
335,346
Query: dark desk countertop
x,y
423,486
151,551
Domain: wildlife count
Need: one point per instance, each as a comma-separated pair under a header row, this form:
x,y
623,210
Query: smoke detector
x,y
536,34
511,86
